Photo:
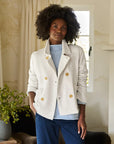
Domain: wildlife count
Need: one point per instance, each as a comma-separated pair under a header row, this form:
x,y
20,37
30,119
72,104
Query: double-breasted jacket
x,y
66,86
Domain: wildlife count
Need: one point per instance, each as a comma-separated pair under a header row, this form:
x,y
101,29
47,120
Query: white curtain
x,y
1,76
29,41
54,1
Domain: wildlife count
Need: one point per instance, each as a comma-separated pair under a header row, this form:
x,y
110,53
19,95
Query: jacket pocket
x,y
38,94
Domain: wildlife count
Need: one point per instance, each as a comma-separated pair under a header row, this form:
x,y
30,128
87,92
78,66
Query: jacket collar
x,y
65,57
65,49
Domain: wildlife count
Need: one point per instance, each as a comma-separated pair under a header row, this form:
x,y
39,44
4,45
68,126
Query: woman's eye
x,y
54,26
61,28
64,28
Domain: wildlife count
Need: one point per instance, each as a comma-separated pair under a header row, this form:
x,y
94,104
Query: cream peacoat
x,y
66,87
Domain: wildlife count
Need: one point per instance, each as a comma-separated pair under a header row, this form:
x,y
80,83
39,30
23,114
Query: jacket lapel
x,y
65,57
48,56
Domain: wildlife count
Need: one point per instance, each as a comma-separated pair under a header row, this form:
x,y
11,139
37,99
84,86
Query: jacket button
x,y
46,78
42,99
67,74
47,57
70,95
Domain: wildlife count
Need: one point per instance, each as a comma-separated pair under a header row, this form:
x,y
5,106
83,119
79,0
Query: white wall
x,y
110,50
97,107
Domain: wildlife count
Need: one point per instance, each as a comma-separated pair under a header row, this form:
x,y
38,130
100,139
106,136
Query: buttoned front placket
x,y
55,82
65,58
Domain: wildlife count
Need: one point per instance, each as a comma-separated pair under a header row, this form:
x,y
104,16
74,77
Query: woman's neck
x,y
52,42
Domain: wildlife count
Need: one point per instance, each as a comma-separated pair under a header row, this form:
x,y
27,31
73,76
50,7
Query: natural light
x,y
83,18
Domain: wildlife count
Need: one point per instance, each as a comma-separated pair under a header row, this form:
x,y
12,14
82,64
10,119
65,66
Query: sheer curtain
x,y
54,2
29,41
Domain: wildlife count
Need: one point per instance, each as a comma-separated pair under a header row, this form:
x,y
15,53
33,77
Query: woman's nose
x,y
59,30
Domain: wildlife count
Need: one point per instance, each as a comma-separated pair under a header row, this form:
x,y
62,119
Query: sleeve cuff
x,y
30,90
80,102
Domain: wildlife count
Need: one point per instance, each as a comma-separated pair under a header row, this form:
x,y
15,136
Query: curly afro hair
x,y
52,12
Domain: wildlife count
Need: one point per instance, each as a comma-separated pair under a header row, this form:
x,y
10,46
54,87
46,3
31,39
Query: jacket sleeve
x,y
82,78
32,80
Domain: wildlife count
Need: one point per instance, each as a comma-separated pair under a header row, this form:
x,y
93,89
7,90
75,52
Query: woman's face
x,y
58,30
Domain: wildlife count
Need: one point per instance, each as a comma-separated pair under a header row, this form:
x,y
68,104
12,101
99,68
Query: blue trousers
x,y
47,131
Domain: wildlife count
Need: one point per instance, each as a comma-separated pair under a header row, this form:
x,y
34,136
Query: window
x,y
86,36
85,40
83,18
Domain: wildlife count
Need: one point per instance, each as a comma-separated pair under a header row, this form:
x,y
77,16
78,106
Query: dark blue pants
x,y
47,131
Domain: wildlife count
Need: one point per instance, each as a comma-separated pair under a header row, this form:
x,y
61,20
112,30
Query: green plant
x,y
11,101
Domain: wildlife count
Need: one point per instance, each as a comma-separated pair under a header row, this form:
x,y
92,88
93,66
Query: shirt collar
x,y
65,48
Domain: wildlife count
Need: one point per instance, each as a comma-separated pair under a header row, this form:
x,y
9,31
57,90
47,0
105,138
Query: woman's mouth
x,y
58,35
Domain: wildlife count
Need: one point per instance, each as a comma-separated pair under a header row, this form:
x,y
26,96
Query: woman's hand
x,y
82,127
81,122
31,100
33,109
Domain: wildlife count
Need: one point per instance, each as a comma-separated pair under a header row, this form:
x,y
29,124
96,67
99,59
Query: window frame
x,y
89,8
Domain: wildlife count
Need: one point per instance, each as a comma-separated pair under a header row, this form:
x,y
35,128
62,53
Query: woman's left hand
x,y
82,127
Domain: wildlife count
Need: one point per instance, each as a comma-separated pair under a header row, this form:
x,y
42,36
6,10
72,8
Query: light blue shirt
x,y
56,51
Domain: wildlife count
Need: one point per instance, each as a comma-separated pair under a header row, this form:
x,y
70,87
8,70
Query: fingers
x,y
82,129
83,133
78,128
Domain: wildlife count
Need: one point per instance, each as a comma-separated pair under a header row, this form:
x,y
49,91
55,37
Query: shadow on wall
x,y
94,118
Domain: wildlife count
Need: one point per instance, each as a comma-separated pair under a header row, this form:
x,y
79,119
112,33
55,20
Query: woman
x,y
57,78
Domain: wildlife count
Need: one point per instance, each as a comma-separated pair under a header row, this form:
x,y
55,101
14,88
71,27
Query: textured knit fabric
x,y
56,51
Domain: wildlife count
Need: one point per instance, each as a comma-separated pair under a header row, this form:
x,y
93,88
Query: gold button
x,y
46,78
47,57
70,95
42,99
67,74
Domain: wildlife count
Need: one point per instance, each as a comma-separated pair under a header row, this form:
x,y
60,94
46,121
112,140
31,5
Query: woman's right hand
x,y
33,109
31,101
